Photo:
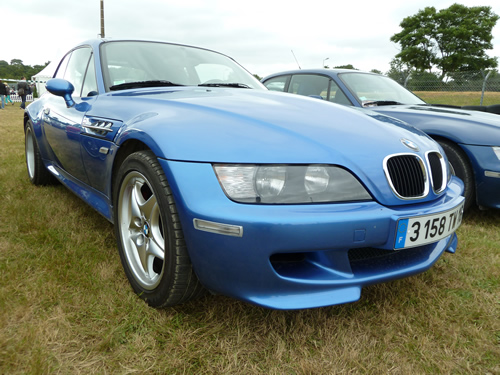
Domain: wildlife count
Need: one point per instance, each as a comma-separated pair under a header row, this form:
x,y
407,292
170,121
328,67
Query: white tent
x,y
41,78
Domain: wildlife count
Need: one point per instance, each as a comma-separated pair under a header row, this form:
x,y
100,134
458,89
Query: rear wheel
x,y
37,173
462,169
149,234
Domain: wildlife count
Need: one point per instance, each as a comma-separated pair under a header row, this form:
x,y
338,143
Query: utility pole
x,y
102,18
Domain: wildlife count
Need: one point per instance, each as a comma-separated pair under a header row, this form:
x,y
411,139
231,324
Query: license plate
x,y
422,230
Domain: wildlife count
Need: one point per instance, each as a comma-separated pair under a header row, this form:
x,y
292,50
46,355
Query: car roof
x,y
94,43
324,71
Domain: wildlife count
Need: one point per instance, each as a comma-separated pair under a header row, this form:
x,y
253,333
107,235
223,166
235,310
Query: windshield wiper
x,y
237,85
376,103
138,84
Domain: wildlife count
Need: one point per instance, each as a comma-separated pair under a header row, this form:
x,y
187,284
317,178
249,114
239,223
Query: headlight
x,y
496,150
270,181
289,184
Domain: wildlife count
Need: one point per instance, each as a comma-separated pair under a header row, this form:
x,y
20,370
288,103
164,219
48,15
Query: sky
x,y
265,36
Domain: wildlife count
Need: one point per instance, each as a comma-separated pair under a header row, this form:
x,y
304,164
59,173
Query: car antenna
x,y
296,59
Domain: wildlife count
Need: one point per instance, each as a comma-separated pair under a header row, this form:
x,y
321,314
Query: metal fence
x,y
481,82
17,98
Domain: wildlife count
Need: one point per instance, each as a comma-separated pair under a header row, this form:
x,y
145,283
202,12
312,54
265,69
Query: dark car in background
x,y
471,139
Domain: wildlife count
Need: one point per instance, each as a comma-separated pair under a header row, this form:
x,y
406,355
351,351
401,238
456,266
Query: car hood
x,y
253,126
260,127
462,126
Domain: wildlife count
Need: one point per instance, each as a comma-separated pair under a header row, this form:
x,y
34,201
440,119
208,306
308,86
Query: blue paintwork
x,y
61,87
240,267
474,131
483,159
190,127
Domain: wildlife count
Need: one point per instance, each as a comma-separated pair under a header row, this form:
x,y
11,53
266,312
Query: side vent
x,y
99,127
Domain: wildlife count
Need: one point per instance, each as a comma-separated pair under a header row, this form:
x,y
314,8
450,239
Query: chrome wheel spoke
x,y
30,153
148,207
150,270
156,249
135,203
140,244
141,226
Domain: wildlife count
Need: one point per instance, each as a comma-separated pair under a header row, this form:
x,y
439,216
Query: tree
x,y
400,71
453,40
348,66
425,81
16,62
16,69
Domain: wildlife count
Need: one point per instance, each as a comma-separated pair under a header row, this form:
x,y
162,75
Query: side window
x,y
62,67
337,95
277,83
90,82
77,67
309,85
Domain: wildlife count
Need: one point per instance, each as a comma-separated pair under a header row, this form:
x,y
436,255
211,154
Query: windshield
x,y
369,88
142,62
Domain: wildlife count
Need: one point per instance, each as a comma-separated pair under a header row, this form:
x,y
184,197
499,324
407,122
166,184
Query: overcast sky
x,y
260,35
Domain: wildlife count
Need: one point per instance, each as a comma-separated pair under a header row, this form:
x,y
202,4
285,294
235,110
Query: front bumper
x,y
297,256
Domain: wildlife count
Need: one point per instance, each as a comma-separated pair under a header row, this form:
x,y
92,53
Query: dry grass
x,y
66,306
459,98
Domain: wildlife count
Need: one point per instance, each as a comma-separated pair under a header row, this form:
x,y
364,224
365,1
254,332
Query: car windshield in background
x,y
373,89
131,64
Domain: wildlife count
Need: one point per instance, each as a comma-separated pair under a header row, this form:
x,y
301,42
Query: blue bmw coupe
x,y
214,183
471,139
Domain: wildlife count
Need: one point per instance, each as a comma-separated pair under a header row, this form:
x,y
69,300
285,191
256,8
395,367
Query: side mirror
x,y
61,87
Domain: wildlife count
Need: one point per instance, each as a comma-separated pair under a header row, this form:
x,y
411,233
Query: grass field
x,y
459,98
67,308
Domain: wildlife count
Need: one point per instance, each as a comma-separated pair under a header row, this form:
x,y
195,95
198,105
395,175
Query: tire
x,y
149,234
37,173
462,169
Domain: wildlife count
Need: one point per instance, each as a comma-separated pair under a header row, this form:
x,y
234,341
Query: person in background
x,y
7,96
3,92
22,91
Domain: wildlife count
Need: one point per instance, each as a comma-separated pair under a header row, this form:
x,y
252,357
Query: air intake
x,y
407,176
438,171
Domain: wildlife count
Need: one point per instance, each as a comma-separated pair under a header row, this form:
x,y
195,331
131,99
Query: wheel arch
x,y
25,120
127,148
178,281
467,159
439,138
